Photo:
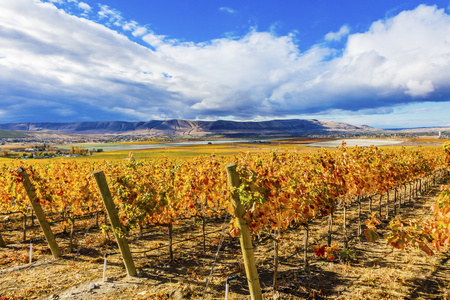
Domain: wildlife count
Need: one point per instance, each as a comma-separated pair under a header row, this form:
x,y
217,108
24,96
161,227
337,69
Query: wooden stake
x,y
64,217
72,226
244,235
359,216
141,230
381,196
330,227
410,191
40,214
170,226
404,193
204,235
395,201
387,205
2,242
305,248
416,188
420,186
115,223
345,228
24,225
275,261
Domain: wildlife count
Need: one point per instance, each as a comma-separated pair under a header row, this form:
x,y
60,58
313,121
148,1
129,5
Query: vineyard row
x,y
277,189
274,191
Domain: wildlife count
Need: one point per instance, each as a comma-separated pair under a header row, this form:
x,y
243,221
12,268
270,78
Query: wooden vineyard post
x,y
420,186
410,192
344,226
204,236
2,242
24,225
40,214
115,223
330,226
379,202
275,260
404,193
395,201
170,227
359,216
244,235
305,248
387,205
416,188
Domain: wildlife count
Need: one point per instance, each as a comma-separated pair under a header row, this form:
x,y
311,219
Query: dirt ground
x,y
364,271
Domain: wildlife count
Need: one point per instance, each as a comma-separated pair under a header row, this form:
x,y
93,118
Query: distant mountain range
x,y
177,127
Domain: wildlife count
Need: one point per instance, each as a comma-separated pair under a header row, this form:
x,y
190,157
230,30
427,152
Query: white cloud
x,y
113,15
337,36
129,25
153,39
227,9
416,88
77,65
140,31
84,6
408,53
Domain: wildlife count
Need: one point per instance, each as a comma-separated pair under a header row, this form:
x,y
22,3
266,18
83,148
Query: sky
x,y
382,63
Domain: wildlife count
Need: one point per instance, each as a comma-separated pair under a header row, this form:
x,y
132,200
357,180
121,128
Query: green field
x,y
12,134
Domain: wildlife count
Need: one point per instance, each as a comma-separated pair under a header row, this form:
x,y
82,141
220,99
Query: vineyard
x,y
308,214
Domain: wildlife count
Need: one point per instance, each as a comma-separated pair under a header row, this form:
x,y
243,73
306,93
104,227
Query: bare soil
x,y
364,271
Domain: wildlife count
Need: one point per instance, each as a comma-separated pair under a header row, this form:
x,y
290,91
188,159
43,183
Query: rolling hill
x,y
176,127
12,134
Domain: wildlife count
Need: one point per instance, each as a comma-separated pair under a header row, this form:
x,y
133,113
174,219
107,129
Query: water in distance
x,y
355,142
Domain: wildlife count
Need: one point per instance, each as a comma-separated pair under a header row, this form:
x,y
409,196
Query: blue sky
x,y
379,63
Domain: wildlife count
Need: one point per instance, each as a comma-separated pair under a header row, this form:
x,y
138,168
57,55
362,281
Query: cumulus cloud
x,y
337,36
407,54
114,16
139,31
132,25
62,66
84,6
